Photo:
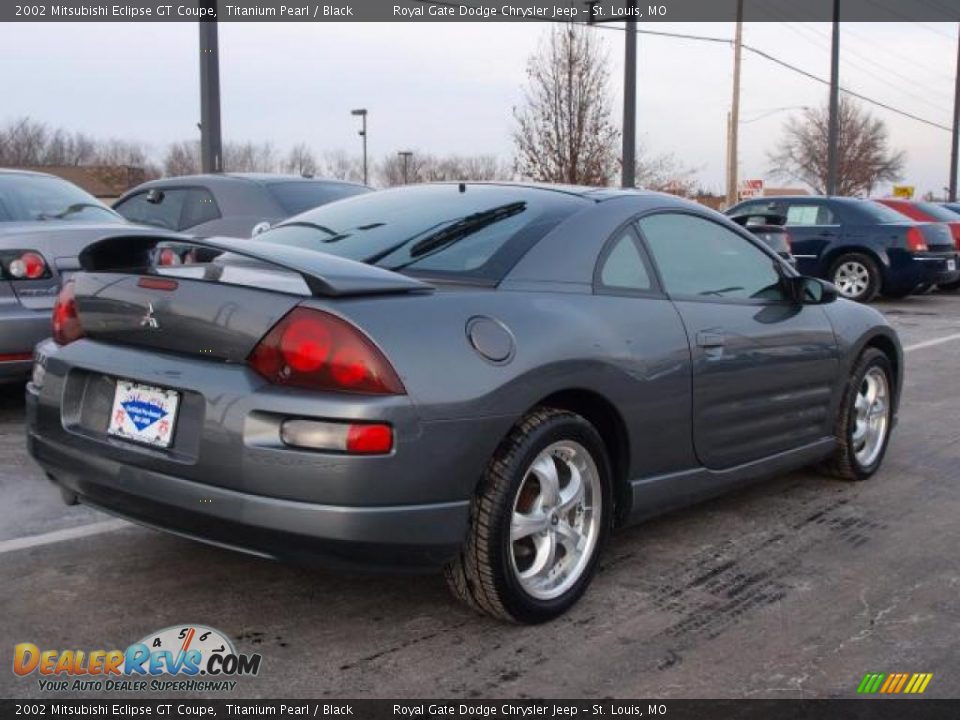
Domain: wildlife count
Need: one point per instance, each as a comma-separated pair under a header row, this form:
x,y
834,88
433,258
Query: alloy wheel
x,y
852,278
556,519
872,417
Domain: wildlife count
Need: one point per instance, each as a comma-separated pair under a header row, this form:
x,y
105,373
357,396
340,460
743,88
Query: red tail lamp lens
x,y
66,321
369,439
26,265
316,350
915,241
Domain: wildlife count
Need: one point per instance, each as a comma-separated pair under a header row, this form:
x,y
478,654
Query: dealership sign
x,y
751,189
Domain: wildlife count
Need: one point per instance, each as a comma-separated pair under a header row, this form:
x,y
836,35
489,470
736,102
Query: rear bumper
x,y
918,269
20,330
395,538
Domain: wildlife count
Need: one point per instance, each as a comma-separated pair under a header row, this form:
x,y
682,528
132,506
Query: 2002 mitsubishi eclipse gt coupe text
x,y
485,378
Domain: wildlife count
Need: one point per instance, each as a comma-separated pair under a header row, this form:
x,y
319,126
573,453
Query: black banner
x,y
470,10
866,709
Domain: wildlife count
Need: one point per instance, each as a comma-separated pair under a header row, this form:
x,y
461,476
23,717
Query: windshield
x,y
299,196
40,197
478,232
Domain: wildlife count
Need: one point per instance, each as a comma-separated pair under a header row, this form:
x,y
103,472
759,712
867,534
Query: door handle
x,y
710,339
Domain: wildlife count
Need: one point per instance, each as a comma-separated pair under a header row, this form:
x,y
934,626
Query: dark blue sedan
x,y
861,246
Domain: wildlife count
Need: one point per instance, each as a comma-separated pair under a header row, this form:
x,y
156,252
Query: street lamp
x,y
362,112
406,155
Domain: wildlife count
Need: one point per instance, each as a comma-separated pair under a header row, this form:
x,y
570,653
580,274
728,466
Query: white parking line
x,y
932,343
56,536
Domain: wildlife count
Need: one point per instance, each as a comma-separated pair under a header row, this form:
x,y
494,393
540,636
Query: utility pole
x,y
734,117
211,143
956,127
833,128
362,112
629,154
406,155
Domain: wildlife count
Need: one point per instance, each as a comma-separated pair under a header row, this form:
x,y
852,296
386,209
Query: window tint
x,y
298,197
198,207
164,212
623,267
809,214
702,258
478,232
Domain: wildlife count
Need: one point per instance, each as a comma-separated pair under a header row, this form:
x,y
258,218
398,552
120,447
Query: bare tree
x,y
249,157
341,166
426,167
665,173
564,131
182,158
23,142
300,160
864,160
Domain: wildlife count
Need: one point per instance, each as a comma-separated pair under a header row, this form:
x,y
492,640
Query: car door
x,y
813,227
763,366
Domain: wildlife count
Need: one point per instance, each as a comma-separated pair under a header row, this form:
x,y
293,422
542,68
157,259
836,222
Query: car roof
x,y
589,192
231,178
17,171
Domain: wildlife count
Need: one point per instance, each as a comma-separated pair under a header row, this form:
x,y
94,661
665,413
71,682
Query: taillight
x,y
168,257
24,265
915,241
313,349
66,322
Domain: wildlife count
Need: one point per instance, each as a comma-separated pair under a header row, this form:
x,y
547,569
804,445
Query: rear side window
x,y
161,209
809,214
624,268
298,197
198,207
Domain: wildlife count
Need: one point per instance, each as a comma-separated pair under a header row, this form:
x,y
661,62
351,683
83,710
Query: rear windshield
x,y
298,197
937,212
880,213
40,197
478,232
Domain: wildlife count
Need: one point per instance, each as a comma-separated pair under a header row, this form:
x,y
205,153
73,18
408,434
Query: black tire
x,y
483,575
874,280
843,464
955,285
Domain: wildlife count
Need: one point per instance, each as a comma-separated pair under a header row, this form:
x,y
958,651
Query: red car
x,y
929,212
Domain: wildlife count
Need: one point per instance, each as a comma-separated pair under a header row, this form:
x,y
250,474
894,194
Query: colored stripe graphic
x,y
894,683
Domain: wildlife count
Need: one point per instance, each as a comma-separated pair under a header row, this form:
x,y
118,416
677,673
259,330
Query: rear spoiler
x,y
325,275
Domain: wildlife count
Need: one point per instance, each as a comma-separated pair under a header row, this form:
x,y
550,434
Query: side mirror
x,y
814,291
155,196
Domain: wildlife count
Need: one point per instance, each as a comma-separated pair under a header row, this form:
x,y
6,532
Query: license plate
x,y
144,413
951,265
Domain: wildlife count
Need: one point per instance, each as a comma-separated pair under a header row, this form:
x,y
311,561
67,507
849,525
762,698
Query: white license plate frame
x,y
144,414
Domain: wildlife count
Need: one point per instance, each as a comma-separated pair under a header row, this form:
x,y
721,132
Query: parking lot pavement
x,y
795,587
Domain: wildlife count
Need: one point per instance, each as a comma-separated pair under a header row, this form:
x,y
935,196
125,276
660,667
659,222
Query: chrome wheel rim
x,y
556,520
852,279
871,417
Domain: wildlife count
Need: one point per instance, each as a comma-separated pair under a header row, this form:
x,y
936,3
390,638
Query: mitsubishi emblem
x,y
148,320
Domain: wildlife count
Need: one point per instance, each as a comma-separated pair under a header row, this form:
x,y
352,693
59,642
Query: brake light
x,y
316,350
24,265
915,241
168,257
66,321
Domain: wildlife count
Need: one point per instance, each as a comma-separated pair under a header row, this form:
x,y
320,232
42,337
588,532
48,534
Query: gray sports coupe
x,y
485,378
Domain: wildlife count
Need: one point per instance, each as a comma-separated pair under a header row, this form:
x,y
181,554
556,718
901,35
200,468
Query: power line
x,y
783,63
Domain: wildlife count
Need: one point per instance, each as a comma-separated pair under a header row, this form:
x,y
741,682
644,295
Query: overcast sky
x,y
450,87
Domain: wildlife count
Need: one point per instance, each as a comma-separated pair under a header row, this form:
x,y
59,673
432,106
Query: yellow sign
x,y
903,191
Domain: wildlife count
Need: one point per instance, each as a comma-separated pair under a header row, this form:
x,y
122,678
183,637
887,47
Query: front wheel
x,y
541,516
856,276
864,419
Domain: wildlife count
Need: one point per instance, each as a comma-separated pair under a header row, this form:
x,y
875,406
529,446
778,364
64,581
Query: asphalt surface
x,y
796,587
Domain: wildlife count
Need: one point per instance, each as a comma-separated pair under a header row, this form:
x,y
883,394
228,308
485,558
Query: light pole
x,y
406,155
211,146
362,112
833,124
733,126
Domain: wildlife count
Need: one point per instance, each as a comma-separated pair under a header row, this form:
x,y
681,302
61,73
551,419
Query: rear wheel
x,y
856,276
539,521
864,419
